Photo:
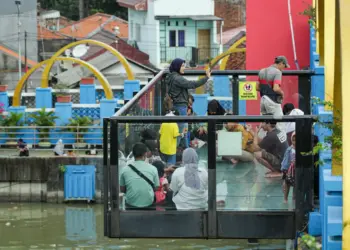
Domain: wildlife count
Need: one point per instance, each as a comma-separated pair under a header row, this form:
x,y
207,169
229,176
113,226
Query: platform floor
x,y
244,186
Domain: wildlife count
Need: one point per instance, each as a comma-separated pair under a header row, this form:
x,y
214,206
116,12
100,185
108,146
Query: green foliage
x,y
79,126
12,120
42,118
310,242
310,12
70,8
62,168
333,142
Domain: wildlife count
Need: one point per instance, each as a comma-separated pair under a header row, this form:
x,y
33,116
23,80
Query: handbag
x,y
143,177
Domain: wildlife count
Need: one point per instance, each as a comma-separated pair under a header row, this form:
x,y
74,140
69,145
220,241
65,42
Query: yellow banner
x,y
247,91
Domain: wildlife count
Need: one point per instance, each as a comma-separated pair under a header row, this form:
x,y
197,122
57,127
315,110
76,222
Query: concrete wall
x,y
183,7
34,179
144,29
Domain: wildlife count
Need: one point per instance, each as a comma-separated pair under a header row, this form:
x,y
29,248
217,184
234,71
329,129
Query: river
x,y
80,227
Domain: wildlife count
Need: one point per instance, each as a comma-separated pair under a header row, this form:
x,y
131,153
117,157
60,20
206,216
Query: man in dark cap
x,y
269,85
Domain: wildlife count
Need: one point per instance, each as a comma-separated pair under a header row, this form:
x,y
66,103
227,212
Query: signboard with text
x,y
247,91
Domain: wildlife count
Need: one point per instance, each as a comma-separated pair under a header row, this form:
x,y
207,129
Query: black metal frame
x,y
279,224
304,86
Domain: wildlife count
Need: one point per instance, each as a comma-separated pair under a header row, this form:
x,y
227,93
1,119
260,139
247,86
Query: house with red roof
x,y
87,26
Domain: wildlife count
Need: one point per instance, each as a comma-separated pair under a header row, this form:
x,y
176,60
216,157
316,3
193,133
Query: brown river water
x,y
80,227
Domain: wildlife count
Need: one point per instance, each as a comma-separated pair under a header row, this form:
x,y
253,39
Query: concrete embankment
x,y
39,179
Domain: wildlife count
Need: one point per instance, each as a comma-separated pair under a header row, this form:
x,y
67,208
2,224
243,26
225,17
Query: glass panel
x,y
249,175
165,146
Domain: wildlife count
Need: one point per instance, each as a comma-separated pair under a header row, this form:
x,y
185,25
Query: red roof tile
x,y
83,27
44,33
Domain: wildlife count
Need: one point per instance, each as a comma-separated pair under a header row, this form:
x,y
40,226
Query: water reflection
x,y
68,227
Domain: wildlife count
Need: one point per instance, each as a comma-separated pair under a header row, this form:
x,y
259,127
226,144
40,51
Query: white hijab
x,y
290,127
59,148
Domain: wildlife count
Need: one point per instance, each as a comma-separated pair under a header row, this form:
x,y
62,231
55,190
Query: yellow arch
x,y
121,58
104,82
224,57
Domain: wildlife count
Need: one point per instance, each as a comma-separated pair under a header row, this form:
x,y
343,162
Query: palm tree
x,y
79,127
42,118
12,120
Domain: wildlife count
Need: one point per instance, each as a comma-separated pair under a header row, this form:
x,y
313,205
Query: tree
x,y
71,10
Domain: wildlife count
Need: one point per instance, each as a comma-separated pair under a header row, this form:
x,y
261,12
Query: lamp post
x,y
18,4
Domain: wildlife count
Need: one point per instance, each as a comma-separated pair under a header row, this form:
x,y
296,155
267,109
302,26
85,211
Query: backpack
x,y
168,101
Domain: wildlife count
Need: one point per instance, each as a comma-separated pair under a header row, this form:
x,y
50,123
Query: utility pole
x,y
25,58
81,9
18,3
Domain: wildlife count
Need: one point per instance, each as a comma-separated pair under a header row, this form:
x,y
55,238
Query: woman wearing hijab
x,y
59,148
178,87
190,183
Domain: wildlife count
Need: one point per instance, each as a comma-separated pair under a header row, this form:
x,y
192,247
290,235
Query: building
x,y
9,32
49,42
167,29
92,24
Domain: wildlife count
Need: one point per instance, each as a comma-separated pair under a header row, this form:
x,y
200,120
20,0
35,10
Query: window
x,y
177,23
181,36
185,23
168,23
172,38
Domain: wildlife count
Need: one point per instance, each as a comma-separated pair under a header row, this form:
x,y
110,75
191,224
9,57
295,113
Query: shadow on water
x,y
48,226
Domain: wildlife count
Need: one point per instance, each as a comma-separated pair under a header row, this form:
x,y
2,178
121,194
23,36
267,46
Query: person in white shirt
x,y
289,109
190,183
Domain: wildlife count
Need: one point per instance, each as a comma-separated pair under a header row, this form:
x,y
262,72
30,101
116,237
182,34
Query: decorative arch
x,y
224,57
121,58
102,79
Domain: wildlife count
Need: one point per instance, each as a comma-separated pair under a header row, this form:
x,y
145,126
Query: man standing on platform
x,y
269,85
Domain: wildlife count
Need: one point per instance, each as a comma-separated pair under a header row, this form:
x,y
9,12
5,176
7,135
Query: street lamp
x,y
18,3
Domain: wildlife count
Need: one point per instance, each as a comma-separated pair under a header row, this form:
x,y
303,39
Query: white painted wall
x,y
149,32
182,7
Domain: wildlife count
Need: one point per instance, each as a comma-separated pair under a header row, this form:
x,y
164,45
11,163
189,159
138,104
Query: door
x,y
203,45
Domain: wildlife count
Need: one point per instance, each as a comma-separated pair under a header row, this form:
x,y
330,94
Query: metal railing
x,y
43,138
210,223
151,96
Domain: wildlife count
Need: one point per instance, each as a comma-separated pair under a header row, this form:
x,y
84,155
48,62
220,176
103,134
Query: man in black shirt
x,y
270,150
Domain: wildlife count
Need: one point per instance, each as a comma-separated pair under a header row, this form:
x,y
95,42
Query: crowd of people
x,y
165,171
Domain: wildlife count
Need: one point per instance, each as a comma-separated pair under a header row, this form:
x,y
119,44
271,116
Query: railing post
x,y
212,215
304,93
303,171
114,180
106,217
235,98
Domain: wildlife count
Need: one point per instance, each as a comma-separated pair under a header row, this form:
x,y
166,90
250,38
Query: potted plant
x,y
79,126
44,119
87,80
12,120
62,94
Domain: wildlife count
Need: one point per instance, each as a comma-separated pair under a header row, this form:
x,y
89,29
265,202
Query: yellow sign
x,y
247,91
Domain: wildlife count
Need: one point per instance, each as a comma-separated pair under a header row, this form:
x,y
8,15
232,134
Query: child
x,y
163,188
288,169
169,132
